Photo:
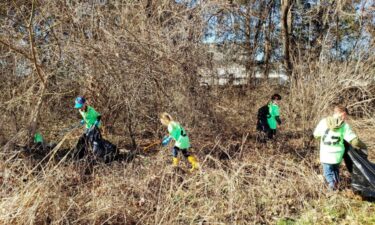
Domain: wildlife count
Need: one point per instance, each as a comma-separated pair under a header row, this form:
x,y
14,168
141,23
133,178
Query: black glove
x,y
278,119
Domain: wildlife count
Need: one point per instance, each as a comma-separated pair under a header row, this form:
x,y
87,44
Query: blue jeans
x,y
331,174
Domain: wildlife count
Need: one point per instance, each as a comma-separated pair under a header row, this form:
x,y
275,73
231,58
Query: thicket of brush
x,y
133,61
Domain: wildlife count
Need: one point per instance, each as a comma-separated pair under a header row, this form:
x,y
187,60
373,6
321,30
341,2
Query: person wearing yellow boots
x,y
182,143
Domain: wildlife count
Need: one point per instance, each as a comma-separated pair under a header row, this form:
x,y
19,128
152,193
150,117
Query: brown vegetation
x,y
136,59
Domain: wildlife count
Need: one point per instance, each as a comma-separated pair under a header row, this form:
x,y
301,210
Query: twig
x,y
360,102
19,51
151,145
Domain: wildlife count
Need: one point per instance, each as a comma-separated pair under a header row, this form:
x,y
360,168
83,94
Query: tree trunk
x,y
248,31
251,48
286,23
267,43
33,124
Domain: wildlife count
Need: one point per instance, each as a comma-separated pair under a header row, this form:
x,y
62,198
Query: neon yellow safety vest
x,y
38,138
90,116
274,111
332,147
179,135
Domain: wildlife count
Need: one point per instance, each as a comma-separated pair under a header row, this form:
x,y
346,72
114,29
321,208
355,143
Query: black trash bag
x,y
93,140
362,172
109,150
263,114
265,132
81,147
46,147
37,150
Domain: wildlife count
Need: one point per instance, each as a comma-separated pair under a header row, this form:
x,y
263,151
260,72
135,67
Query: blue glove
x,y
82,122
97,122
166,140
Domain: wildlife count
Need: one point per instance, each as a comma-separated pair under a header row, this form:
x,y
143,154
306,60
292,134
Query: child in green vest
x,y
332,132
91,119
273,117
38,138
182,143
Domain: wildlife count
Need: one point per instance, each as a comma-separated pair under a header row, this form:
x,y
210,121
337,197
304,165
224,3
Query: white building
x,y
227,67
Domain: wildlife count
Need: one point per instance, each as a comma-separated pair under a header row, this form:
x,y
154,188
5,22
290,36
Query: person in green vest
x,y
90,117
38,138
273,117
182,143
38,142
332,132
91,120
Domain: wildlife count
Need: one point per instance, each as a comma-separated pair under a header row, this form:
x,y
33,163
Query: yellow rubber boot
x,y
175,161
194,164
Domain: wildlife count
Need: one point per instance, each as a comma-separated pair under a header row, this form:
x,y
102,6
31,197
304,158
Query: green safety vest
x,y
274,111
90,116
38,138
178,134
332,146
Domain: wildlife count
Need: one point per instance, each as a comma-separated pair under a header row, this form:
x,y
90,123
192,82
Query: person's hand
x,y
96,123
166,140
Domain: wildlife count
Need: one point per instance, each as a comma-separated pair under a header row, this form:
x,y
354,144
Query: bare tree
x,y
286,28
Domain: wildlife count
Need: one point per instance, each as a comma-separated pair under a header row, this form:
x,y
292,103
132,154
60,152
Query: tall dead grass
x,y
263,185
133,60
242,182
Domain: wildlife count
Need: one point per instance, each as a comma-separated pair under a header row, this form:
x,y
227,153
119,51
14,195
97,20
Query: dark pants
x,y
263,127
184,152
271,133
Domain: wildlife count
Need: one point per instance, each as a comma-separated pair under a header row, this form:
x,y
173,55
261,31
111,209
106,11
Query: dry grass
x,y
133,60
259,185
242,182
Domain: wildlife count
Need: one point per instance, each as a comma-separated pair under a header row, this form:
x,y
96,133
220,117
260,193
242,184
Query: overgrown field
x,y
240,182
133,60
